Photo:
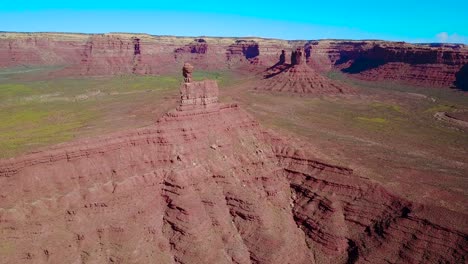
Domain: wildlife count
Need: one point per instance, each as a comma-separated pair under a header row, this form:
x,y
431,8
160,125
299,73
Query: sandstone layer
x,y
436,65
207,184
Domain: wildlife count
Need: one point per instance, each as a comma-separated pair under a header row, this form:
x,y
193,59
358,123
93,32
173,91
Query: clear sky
x,y
399,20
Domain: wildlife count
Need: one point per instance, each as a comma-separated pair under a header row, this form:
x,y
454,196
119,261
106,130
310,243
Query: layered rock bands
x,y
207,184
435,65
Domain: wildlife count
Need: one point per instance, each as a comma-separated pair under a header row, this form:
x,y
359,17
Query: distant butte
x,y
208,184
298,77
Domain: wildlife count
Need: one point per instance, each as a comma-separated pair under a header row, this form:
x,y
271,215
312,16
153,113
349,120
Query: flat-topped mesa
x,y
197,94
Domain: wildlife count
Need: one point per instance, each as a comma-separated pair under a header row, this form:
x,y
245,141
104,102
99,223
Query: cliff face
x,y
426,65
349,219
207,184
38,49
106,54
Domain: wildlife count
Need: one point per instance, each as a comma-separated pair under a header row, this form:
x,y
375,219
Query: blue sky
x,y
399,20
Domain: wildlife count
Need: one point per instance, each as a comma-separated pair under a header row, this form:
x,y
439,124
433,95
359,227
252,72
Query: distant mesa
x,y
425,65
197,46
243,50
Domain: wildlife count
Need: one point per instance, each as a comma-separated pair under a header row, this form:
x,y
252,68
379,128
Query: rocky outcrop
x,y
297,57
299,78
198,51
282,58
195,95
207,184
105,54
457,119
187,71
198,46
243,50
348,219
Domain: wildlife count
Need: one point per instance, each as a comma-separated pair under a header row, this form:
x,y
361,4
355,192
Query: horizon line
x,y
225,37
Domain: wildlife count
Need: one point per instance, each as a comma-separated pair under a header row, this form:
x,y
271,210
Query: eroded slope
x,y
207,184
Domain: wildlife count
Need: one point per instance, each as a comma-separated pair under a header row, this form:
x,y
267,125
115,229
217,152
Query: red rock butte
x,y
208,184
299,78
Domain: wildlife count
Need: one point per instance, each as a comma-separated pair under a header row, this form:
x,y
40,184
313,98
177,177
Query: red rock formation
x,y
298,77
348,219
196,95
282,59
35,49
201,53
187,71
196,188
417,64
199,46
206,184
298,57
107,54
243,49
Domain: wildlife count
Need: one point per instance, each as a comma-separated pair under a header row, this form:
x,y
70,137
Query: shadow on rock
x,y
461,78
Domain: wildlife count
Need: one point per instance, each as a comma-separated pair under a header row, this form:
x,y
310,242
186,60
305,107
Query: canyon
x,y
435,65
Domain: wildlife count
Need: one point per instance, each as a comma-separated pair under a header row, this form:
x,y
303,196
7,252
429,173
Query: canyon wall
x,y
418,64
435,65
108,54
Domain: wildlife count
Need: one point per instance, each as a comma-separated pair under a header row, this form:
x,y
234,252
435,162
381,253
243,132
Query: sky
x,y
396,20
